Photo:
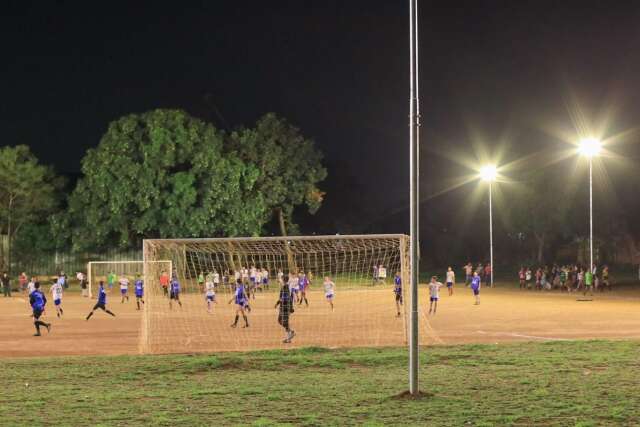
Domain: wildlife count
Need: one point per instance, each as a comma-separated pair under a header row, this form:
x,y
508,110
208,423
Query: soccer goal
x,y
110,272
365,309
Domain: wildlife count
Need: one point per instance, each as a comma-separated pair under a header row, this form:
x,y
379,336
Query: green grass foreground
x,y
569,383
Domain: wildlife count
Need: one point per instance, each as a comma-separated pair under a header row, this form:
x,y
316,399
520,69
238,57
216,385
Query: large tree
x,y
163,174
28,193
290,167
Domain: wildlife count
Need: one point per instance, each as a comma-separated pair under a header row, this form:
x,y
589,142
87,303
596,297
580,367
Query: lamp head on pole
x,y
488,173
589,147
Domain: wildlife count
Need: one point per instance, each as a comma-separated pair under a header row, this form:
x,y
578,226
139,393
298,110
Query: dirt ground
x,y
363,317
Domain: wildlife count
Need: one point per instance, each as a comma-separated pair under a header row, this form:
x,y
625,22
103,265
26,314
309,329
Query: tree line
x,y
161,174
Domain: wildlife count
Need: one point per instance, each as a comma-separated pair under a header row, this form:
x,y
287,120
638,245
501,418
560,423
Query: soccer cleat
x,y
291,335
234,325
286,340
37,334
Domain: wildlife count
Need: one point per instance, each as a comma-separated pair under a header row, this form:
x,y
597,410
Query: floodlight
x,y
589,147
488,173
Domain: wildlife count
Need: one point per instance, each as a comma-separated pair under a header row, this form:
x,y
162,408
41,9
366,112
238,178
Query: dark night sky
x,y
337,69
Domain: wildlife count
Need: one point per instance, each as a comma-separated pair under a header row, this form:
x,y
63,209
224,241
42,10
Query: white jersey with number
x,y
382,273
211,289
56,291
329,287
293,283
124,283
451,277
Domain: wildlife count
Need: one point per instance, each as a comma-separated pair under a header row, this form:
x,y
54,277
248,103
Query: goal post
x,y
364,312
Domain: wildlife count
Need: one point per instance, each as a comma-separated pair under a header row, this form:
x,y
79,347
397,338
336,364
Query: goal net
x,y
363,268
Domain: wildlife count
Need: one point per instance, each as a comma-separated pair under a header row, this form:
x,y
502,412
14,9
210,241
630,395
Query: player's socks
x,y
235,322
89,315
138,304
109,312
61,311
246,321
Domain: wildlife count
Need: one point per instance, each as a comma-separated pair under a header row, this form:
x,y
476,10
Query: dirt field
x,y
361,318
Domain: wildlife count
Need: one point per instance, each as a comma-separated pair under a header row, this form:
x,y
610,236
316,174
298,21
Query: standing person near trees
x,y
23,279
6,284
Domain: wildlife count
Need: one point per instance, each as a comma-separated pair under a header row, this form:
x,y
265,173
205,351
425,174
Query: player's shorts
x,y
588,285
265,281
57,301
329,296
139,294
99,305
468,279
252,279
449,284
37,313
174,295
433,299
399,297
211,297
283,318
295,290
476,291
124,291
110,285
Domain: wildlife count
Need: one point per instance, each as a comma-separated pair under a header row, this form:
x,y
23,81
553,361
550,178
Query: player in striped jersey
x,y
241,300
56,293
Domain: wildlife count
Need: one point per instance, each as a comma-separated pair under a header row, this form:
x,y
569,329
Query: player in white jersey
x,y
265,278
451,280
216,278
329,290
280,276
210,295
244,274
56,294
124,288
294,286
258,282
434,294
31,286
382,273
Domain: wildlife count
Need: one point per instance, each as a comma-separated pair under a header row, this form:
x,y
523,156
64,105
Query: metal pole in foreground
x,y
413,188
490,233
591,214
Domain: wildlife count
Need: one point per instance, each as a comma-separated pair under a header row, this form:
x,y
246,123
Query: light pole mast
x,y
414,123
491,232
591,214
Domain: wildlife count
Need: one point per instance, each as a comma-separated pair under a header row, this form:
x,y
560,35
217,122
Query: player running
x,y
451,280
241,300
174,292
56,293
138,287
285,306
434,294
124,288
38,301
210,294
102,302
329,290
475,287
397,290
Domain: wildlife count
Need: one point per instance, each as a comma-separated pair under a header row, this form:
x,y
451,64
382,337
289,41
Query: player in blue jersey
x,y
285,306
138,287
174,291
397,290
303,284
475,286
102,301
38,301
241,299
56,292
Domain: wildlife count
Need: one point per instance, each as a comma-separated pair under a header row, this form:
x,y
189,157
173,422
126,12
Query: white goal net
x,y
364,309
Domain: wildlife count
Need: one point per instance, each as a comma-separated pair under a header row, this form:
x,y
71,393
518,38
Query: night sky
x,y
494,73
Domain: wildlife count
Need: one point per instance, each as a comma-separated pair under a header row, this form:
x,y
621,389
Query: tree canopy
x,y
163,174
290,167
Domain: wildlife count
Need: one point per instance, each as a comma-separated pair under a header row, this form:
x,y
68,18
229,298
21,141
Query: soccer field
x,y
568,383
505,314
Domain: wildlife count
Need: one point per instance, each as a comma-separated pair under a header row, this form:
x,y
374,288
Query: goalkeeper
x,y
285,304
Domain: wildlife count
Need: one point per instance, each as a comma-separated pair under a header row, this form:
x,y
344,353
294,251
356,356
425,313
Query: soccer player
x,y
6,285
382,273
82,279
138,287
285,306
210,294
31,286
124,288
303,283
451,280
375,274
216,279
468,271
434,293
294,286
528,276
605,278
38,301
102,302
241,300
521,276
475,287
329,290
397,290
164,282
258,283
23,282
111,280
201,281
563,279
56,293
588,283
280,276
265,278
174,292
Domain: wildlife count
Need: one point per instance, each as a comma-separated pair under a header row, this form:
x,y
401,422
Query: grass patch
x,y
552,383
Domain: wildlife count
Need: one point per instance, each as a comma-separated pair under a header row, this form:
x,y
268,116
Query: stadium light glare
x,y
589,147
488,173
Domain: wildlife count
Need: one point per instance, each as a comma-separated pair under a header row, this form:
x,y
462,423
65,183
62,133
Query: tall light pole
x,y
414,123
590,147
489,173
